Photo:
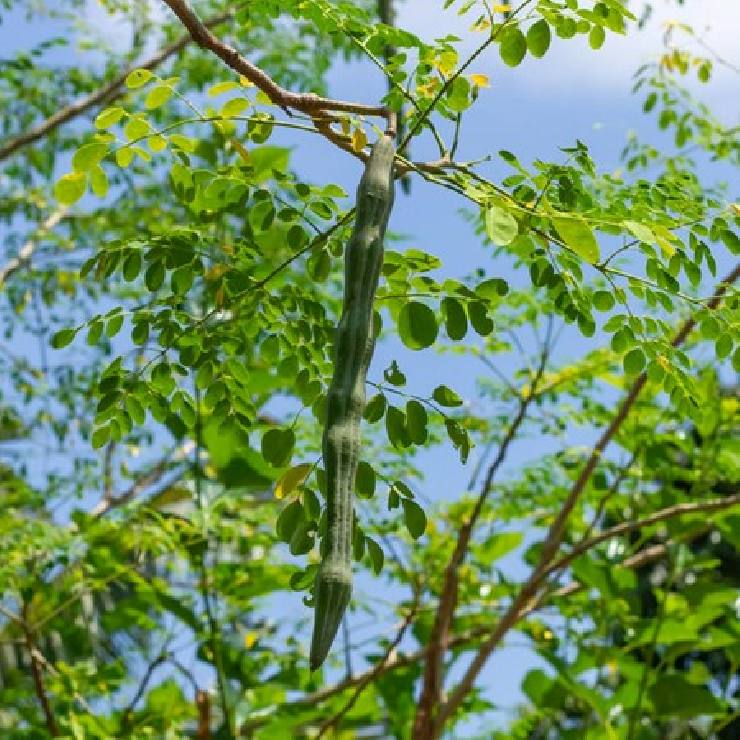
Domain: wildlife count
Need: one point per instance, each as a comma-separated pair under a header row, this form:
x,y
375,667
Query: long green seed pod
x,y
346,400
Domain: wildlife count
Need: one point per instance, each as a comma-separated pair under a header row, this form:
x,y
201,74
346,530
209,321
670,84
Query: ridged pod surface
x,y
353,351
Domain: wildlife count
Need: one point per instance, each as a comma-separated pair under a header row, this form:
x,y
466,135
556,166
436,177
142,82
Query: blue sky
x,y
573,93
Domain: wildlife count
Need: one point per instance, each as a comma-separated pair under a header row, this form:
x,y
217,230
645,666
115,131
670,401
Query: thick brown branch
x,y
393,661
105,94
308,103
555,534
433,670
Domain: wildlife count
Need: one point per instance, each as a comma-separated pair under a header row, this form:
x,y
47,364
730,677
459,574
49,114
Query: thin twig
x,y
26,251
37,675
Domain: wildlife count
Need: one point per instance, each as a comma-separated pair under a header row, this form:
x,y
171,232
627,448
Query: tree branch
x,y
659,516
26,251
391,662
105,94
556,532
308,103
37,675
433,678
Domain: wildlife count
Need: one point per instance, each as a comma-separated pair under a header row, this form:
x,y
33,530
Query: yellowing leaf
x,y
291,479
138,78
244,82
156,143
666,240
577,234
221,88
480,80
234,107
446,61
501,8
641,231
124,157
359,140
70,188
250,640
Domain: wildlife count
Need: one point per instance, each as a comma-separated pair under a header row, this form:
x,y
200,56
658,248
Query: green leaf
x,y
136,128
498,546
577,234
88,156
114,325
154,276
417,325
365,480
70,188
479,318
99,181
132,266
414,518
445,396
234,107
513,47
501,226
289,520
124,157
157,96
100,436
723,346
673,696
395,425
375,408
138,78
416,422
603,300
63,337
538,38
634,362
596,37
303,579
456,322
109,117
182,280
277,446
458,96
459,438
493,289
222,87
376,555
393,374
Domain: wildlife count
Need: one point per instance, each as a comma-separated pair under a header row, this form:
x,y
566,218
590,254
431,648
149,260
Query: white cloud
x,y
571,64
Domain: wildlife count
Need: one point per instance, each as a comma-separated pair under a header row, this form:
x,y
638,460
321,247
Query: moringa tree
x,y
172,281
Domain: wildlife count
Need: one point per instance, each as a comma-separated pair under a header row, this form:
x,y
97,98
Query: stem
x,y
213,627
37,675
